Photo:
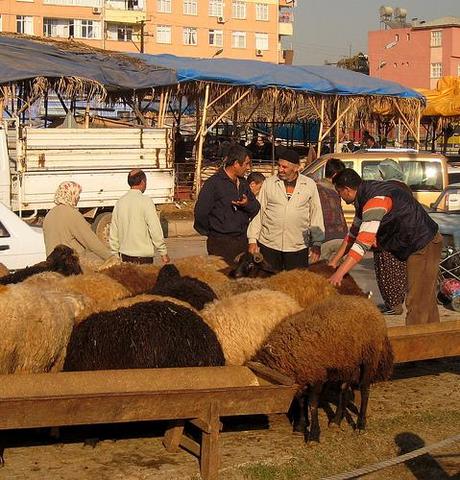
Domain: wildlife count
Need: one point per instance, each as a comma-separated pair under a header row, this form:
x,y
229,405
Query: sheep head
x,y
64,260
251,265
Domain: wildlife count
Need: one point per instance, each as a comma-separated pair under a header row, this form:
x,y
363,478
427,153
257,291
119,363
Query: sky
x,y
330,29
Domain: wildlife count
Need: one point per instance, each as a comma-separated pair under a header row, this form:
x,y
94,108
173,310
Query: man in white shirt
x,y
290,217
135,231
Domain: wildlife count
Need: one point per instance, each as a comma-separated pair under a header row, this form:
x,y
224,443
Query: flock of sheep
x,y
55,318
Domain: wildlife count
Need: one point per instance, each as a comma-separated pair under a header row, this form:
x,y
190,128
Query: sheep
x,y
254,266
99,289
191,290
338,340
62,259
136,278
36,325
242,322
153,334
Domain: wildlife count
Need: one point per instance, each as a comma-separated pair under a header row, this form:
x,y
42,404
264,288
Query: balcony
x,y
286,57
124,11
285,25
75,3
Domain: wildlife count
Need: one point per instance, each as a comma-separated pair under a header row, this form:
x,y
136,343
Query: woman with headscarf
x,y
65,225
391,273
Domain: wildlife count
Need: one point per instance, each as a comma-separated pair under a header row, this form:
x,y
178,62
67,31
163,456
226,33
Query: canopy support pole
x,y
419,115
406,122
337,126
160,108
337,120
275,99
202,136
320,133
222,115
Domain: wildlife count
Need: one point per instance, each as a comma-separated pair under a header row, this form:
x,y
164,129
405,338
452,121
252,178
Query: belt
x,y
130,259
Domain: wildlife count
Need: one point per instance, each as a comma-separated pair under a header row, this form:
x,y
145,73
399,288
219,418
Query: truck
x,y
34,161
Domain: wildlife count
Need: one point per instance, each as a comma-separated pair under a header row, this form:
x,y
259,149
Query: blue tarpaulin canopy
x,y
320,80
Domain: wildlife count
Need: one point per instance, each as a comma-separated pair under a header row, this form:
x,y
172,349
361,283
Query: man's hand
x,y
315,253
253,248
336,279
165,259
241,202
333,263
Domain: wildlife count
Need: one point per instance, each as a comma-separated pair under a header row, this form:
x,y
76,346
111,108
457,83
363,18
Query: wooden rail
x,y
424,342
197,395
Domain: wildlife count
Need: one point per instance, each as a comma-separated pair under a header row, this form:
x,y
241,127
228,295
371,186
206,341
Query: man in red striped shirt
x,y
388,216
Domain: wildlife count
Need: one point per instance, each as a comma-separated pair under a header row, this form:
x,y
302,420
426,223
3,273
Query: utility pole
x,y
142,34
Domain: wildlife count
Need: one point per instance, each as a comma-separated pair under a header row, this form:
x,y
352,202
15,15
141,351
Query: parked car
x,y
20,244
445,211
426,173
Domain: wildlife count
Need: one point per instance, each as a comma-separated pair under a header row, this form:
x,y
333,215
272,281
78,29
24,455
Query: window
x,y
436,38
261,41
119,32
436,70
216,8
239,9
163,34
397,37
3,231
58,27
24,25
239,39
164,6
87,29
408,37
216,38
190,37
190,7
261,11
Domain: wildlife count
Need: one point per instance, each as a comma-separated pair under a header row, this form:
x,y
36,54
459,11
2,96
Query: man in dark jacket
x,y
226,205
388,216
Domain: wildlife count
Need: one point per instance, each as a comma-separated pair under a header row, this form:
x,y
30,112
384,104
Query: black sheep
x,y
144,335
170,283
62,260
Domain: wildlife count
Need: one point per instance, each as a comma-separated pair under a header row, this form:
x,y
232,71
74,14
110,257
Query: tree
x,y
357,63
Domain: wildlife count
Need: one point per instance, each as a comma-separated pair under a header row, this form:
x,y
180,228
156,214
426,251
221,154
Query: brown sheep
x,y
136,278
3,270
343,339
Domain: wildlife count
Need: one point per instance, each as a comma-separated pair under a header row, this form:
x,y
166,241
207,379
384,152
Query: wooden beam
x,y
202,136
238,100
424,342
405,121
321,126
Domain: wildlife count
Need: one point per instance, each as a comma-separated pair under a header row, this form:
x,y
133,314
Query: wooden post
x,y
419,115
337,126
275,99
320,133
199,154
87,109
209,458
173,436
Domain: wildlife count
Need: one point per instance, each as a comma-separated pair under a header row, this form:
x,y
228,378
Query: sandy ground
x,y
419,406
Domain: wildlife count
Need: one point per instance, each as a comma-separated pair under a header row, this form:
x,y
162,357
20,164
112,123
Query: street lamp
x,y
218,52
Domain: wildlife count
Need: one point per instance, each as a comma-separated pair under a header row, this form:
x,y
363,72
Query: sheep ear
x,y
239,257
258,257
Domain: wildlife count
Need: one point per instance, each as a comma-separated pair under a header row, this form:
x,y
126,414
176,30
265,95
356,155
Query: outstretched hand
x,y
241,202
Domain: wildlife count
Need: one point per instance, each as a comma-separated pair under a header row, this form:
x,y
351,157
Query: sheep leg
x,y
342,405
313,400
2,460
300,414
364,386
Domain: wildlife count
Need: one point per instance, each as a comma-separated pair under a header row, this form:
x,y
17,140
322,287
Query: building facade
x,y
416,56
242,29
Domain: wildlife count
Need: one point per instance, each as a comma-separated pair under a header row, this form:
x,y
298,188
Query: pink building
x,y
416,56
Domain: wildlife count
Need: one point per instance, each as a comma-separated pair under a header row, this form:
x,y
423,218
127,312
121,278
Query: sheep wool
x,y
243,322
145,335
136,278
3,270
36,325
337,335
305,287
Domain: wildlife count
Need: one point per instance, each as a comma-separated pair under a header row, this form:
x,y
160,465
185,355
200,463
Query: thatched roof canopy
x,y
72,68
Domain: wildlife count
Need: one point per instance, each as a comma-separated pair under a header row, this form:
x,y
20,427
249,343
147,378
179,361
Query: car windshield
x,y
418,175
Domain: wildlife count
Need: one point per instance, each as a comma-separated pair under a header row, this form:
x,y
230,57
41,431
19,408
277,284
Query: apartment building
x,y
418,54
242,29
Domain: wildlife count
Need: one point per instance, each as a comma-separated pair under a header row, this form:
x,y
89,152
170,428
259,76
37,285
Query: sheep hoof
x,y
2,461
334,425
298,429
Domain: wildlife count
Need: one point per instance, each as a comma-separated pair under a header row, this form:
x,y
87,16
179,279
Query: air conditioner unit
x,y
220,20
259,53
97,10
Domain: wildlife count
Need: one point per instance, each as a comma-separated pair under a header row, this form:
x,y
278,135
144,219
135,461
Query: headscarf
x,y
68,193
391,170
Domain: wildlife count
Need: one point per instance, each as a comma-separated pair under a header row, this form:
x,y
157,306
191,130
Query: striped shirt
x,y
363,231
